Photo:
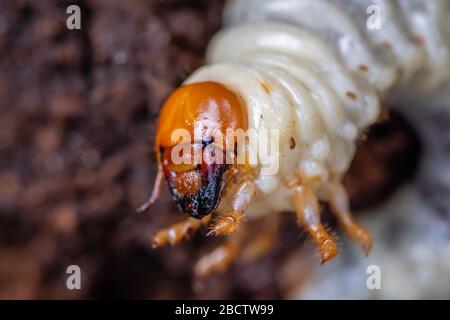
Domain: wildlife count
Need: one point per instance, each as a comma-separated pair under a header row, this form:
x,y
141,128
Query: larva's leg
x,y
155,193
177,232
264,240
308,215
228,222
220,259
338,200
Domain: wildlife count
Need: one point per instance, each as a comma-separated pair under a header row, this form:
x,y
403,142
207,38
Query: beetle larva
x,y
315,72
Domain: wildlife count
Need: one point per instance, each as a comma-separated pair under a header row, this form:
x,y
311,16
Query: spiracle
x,y
316,72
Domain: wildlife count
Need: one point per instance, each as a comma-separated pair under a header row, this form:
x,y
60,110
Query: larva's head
x,y
191,146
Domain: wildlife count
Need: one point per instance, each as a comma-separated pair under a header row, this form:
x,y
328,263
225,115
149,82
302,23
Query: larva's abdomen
x,y
412,37
316,71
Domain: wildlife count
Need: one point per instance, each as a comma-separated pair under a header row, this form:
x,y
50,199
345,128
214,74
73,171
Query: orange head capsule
x,y
190,124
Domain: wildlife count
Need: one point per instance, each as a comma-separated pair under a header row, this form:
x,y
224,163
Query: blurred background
x,y
77,114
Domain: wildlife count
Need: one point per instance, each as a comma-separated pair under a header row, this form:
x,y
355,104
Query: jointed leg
x,y
264,241
223,256
220,259
338,200
177,232
227,223
308,215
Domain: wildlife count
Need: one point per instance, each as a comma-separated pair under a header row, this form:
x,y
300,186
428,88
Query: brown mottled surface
x,y
76,126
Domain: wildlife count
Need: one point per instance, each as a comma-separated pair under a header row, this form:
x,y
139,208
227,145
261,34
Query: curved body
x,y
316,73
312,71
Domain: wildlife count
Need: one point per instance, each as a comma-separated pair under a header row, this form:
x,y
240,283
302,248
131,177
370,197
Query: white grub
x,y
325,46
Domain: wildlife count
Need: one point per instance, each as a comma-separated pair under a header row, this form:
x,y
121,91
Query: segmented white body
x,y
313,70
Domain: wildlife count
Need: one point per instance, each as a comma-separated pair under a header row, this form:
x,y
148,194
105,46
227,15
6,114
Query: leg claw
x,y
328,250
177,232
226,224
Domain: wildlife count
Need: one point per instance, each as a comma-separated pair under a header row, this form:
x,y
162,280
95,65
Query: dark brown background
x,y
77,113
